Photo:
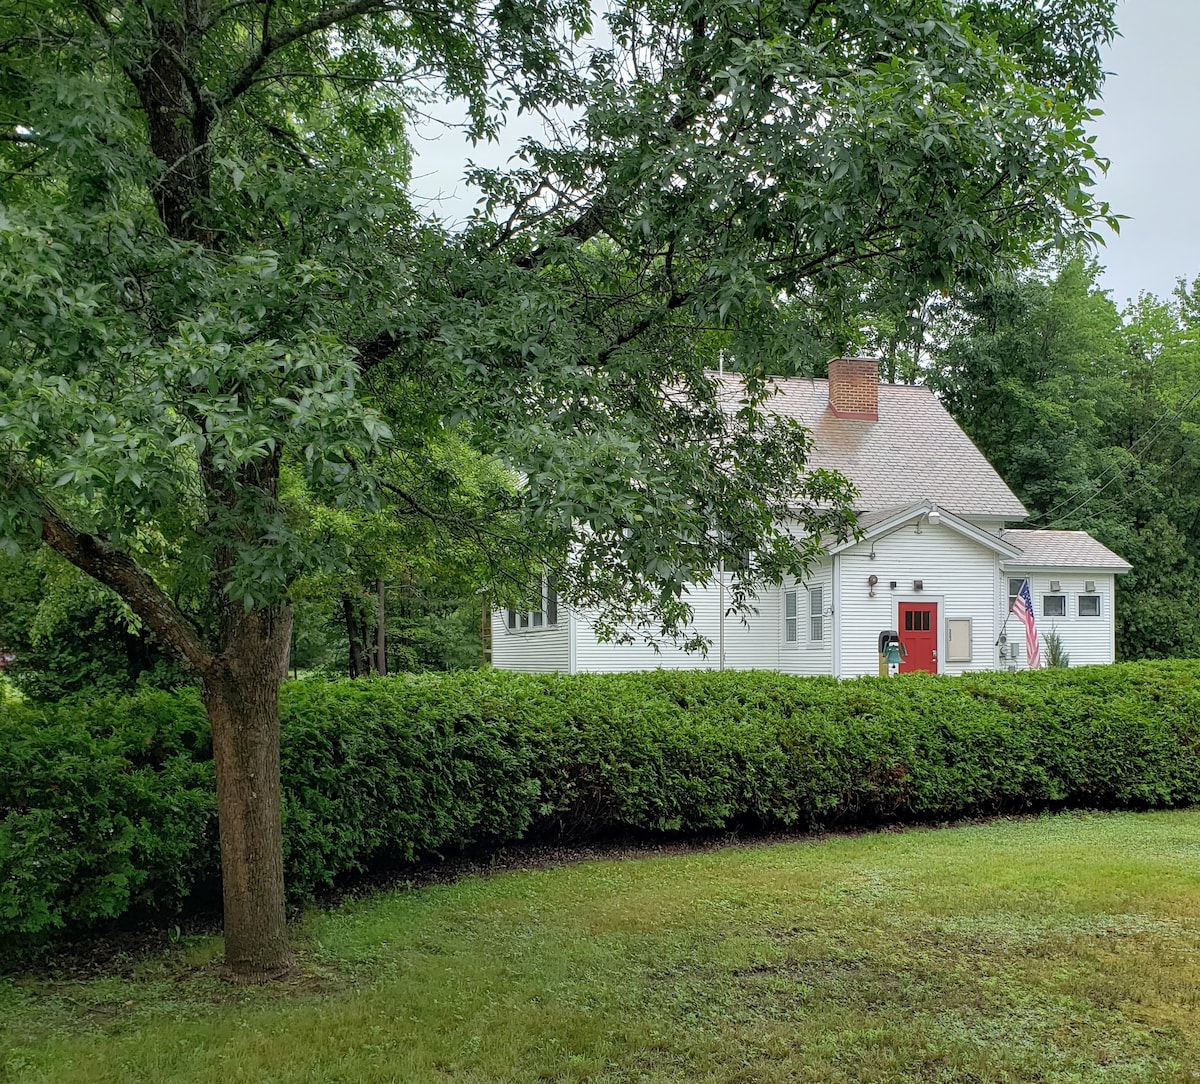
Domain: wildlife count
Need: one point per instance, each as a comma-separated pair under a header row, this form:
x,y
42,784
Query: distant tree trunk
x,y
241,696
381,629
368,656
356,662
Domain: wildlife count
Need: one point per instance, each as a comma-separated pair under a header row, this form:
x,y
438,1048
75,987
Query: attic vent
x,y
854,388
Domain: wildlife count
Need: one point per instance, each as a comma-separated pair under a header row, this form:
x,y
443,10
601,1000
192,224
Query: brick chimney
x,y
854,388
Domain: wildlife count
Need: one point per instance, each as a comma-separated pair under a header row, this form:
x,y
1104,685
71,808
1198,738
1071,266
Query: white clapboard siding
x,y
808,657
592,656
1087,640
544,650
955,572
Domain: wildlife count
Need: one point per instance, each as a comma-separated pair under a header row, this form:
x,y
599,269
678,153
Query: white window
x,y
1054,605
1089,605
791,617
1014,589
545,615
816,614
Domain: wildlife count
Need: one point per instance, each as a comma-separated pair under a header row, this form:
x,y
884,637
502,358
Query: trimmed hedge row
x,y
108,810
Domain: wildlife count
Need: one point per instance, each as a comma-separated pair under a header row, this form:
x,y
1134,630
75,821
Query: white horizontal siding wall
x,y
750,643
808,657
592,656
1087,640
544,650
958,574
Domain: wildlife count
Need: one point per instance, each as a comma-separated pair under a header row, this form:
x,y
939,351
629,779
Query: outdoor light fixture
x,y
935,517
918,585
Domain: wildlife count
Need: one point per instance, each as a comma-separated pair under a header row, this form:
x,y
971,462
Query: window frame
x,y
1061,596
791,622
535,620
1090,595
816,614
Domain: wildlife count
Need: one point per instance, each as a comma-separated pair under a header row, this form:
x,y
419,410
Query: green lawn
x,y
1060,949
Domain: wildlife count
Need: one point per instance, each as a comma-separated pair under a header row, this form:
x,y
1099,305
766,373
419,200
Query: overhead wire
x,y
1120,468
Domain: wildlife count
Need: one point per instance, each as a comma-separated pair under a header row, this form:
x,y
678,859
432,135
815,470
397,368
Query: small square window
x,y
1054,605
1089,605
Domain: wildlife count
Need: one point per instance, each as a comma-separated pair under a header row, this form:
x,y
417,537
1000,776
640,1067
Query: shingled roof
x,y
914,452
1063,549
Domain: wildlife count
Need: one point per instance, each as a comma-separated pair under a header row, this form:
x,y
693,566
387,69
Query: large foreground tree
x,y
211,273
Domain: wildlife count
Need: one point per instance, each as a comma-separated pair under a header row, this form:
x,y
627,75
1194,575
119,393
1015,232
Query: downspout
x,y
721,615
836,617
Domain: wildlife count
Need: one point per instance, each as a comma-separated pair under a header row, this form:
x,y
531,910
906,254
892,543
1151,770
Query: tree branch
x,y
117,570
243,79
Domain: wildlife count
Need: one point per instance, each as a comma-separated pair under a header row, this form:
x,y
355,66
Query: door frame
x,y
923,598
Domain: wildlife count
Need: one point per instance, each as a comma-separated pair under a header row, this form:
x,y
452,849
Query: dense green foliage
x,y
1093,417
109,808
68,635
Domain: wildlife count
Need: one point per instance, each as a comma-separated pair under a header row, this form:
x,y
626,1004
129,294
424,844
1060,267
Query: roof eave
x,y
914,512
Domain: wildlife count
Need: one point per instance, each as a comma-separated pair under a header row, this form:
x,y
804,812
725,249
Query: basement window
x,y
1089,605
1054,605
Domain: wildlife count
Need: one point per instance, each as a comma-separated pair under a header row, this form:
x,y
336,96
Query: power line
x,y
1111,505
1119,470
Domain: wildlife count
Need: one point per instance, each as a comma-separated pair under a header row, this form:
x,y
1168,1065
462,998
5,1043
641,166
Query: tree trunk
x,y
356,666
241,695
368,662
381,630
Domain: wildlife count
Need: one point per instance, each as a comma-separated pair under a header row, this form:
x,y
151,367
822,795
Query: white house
x,y
935,561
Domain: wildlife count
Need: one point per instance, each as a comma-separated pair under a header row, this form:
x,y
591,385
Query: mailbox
x,y
891,653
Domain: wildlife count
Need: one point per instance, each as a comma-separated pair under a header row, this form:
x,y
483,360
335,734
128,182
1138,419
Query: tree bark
x,y
368,656
355,666
381,630
241,695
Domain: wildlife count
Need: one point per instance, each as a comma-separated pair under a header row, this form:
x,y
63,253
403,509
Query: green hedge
x,y
108,809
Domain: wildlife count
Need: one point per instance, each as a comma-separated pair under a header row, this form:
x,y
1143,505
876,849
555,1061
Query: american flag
x,y
1023,608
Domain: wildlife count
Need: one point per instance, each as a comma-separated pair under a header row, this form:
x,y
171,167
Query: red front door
x,y
918,637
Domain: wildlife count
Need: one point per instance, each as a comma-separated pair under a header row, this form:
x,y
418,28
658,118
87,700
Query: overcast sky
x,y
1150,131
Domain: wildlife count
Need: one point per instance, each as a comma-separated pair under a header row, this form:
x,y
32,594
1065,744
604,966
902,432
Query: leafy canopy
x,y
210,269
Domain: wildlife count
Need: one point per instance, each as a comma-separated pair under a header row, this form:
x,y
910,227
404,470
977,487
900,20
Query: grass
x,y
1063,949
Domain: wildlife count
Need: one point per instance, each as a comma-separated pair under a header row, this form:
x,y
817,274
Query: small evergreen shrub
x,y
107,809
